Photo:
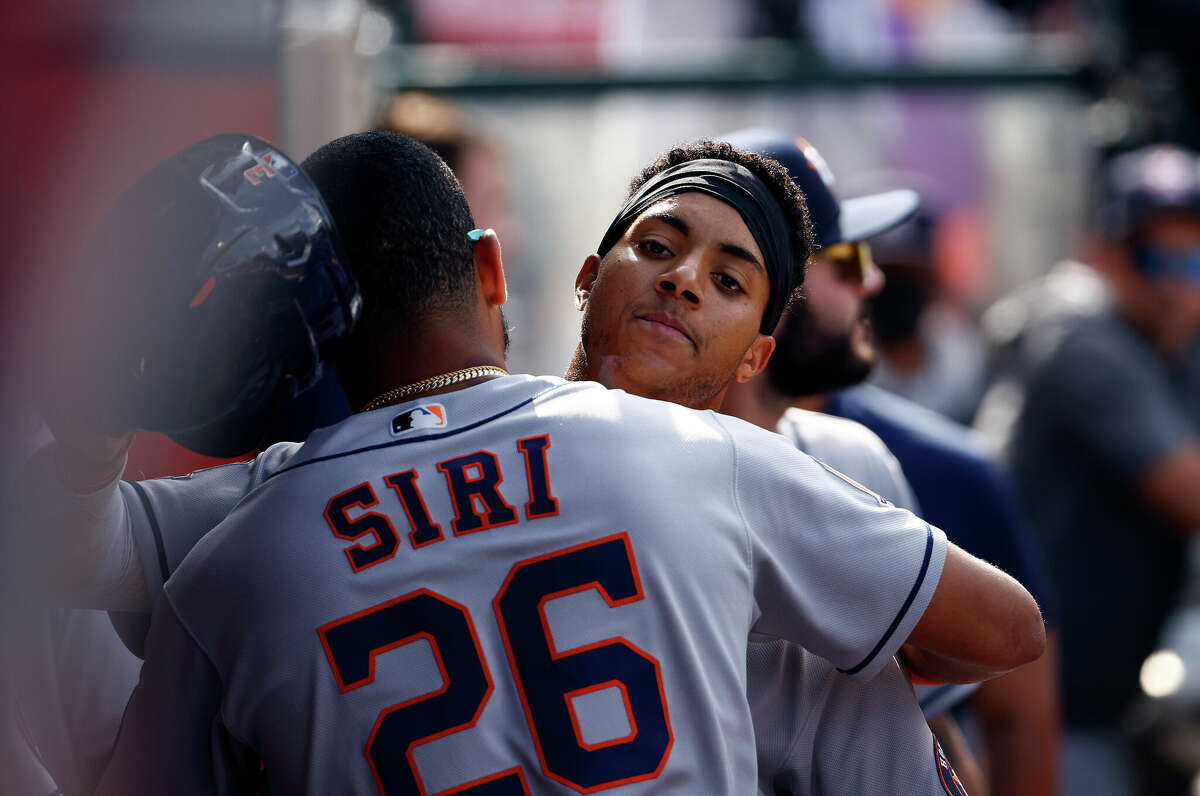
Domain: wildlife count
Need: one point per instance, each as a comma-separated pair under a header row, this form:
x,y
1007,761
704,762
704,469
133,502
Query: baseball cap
x,y
1153,179
833,220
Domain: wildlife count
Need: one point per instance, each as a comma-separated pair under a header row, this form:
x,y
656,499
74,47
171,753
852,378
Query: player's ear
x,y
585,280
489,266
755,358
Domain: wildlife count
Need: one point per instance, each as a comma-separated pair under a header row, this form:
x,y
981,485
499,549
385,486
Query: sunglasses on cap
x,y
853,263
1157,263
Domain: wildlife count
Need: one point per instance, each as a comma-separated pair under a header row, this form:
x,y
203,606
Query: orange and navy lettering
x,y
337,515
537,476
424,529
548,678
484,487
569,697
351,645
473,484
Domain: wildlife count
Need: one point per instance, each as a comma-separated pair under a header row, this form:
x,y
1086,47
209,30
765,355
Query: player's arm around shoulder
x,y
852,577
980,624
834,567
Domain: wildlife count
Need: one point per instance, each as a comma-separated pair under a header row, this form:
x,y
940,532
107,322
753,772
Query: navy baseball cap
x,y
833,220
1155,179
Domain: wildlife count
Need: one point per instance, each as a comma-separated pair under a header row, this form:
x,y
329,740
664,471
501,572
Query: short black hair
x,y
773,175
403,220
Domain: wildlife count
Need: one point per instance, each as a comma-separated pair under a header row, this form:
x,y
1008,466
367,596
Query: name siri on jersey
x,y
473,483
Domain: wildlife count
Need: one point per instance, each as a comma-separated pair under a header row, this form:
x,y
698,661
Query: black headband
x,y
741,189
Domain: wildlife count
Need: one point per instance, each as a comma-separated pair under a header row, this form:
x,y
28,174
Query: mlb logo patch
x,y
420,416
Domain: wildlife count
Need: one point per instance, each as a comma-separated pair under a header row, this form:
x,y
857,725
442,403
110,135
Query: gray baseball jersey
x,y
856,451
807,716
828,734
25,773
66,680
65,677
526,586
850,448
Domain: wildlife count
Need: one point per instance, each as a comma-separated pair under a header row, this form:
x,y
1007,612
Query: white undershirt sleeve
x,y
79,549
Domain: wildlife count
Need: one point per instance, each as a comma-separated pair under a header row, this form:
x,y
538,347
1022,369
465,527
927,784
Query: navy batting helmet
x,y
217,278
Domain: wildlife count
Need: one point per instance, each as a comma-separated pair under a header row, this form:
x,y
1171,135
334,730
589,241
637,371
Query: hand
x,y
87,462
89,452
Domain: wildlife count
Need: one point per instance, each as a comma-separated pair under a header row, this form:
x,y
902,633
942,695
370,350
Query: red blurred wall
x,y
89,107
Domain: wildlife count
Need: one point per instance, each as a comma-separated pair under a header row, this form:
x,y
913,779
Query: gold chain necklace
x,y
433,383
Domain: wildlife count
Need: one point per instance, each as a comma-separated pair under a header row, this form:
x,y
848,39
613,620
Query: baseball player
x,y
597,713
793,693
852,449
788,686
826,345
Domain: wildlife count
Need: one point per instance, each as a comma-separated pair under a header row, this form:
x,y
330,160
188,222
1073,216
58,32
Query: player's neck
x,y
813,403
422,355
756,402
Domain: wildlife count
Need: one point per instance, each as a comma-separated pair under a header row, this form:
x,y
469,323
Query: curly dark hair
x,y
403,219
773,175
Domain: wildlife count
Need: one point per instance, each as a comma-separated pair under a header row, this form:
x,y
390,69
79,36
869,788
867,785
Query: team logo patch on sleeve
x,y
420,416
946,775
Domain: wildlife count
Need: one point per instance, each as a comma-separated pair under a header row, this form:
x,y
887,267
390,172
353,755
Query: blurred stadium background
x,y
1001,104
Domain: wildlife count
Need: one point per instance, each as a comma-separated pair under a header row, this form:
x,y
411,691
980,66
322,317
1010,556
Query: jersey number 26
x,y
546,679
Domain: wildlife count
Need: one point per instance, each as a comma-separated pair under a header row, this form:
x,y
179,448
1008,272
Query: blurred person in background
x,y
1106,451
929,350
1020,327
823,348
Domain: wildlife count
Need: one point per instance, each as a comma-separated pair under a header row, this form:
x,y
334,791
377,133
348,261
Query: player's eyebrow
x,y
733,249
742,254
672,220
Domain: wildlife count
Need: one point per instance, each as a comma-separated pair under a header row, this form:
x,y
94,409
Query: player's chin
x,y
647,370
